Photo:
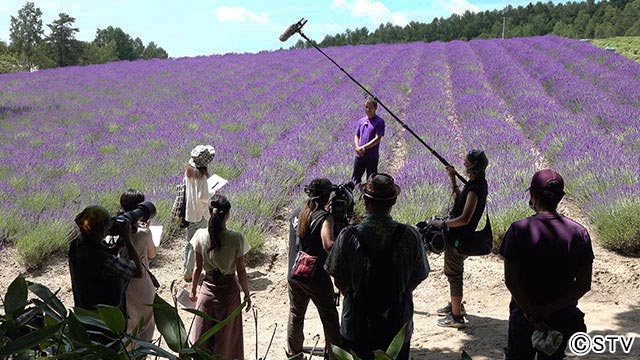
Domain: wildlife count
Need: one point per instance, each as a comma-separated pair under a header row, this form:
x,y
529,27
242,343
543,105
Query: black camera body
x,y
342,204
145,211
434,238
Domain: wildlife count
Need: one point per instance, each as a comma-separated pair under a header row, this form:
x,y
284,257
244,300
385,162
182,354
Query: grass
x,y
44,238
628,46
617,225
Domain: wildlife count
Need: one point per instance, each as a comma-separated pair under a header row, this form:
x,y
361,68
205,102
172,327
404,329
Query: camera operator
x,y
462,221
98,274
311,231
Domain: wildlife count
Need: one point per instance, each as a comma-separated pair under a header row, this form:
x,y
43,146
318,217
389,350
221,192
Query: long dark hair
x,y
318,191
129,200
304,219
219,207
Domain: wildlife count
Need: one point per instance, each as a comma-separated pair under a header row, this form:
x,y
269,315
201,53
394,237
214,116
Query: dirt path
x,y
612,306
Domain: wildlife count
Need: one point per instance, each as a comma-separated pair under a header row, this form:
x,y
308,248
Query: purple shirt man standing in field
x,y
547,268
369,132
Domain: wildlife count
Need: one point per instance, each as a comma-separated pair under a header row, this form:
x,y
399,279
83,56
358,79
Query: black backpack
x,y
379,301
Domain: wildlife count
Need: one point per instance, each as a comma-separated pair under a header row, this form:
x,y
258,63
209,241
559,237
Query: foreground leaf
x,y
342,354
396,344
30,340
169,324
113,317
220,325
16,298
47,296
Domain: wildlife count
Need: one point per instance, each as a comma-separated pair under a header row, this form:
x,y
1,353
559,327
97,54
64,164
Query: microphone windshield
x,y
292,30
289,32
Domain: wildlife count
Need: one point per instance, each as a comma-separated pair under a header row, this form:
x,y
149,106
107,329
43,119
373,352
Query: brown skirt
x,y
219,300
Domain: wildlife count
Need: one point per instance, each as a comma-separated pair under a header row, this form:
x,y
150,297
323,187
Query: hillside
x,y
76,136
628,46
278,119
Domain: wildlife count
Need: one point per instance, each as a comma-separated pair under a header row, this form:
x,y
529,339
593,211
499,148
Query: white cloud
x,y
375,11
239,14
459,6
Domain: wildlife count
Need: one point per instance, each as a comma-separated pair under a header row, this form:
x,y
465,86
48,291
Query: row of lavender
x,y
581,127
81,135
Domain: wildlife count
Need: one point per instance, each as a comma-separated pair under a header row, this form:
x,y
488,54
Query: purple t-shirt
x,y
549,248
366,130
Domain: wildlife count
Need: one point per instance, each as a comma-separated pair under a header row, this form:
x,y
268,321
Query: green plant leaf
x,y
381,355
15,299
30,340
148,348
88,317
200,313
113,317
55,305
76,331
220,324
206,354
342,354
396,344
465,356
169,324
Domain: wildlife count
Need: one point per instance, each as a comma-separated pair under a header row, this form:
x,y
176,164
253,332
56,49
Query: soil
x,y
612,306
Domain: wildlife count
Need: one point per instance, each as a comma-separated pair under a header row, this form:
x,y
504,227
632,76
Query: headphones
x,y
478,161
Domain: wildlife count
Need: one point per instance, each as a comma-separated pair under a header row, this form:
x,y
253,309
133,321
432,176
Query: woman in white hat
x,y
197,197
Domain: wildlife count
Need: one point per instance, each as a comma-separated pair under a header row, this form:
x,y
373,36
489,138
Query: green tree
x,y
26,33
124,44
9,64
91,53
3,47
153,51
64,49
630,18
138,48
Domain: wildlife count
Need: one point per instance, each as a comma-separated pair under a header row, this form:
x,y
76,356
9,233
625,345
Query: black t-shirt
x,y
481,188
312,242
91,284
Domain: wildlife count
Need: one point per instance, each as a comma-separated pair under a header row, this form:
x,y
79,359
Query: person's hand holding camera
x,y
437,223
125,240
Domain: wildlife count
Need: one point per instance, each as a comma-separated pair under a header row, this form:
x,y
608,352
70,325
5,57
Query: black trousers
x,y
519,346
360,165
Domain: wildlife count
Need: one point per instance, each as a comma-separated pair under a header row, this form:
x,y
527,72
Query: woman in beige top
x,y
140,292
220,253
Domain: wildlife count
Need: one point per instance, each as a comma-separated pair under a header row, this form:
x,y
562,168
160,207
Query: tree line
x,y
586,19
29,48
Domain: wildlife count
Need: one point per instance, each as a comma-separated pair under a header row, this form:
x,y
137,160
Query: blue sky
x,y
204,27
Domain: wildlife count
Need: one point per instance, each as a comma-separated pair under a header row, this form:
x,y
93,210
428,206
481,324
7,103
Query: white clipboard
x,y
215,183
156,234
184,300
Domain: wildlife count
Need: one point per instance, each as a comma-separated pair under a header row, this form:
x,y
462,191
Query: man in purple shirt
x,y
369,132
547,268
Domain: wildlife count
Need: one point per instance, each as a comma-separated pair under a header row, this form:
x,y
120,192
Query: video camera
x,y
341,204
434,238
145,211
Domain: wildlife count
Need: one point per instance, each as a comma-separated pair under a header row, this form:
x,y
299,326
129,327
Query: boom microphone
x,y
297,28
292,30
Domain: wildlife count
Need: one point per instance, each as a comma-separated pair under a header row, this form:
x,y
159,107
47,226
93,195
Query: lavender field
x,y
81,135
